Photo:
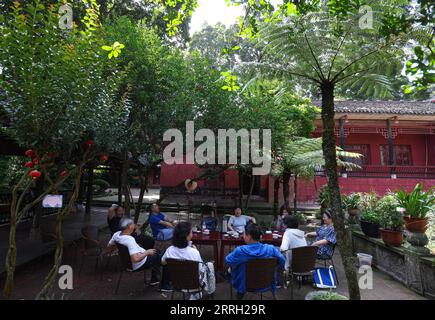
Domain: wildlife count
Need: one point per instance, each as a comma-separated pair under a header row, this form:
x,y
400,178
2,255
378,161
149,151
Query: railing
x,y
5,207
399,172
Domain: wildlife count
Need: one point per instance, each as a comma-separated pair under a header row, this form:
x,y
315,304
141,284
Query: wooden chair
x,y
184,276
93,248
126,264
260,274
303,264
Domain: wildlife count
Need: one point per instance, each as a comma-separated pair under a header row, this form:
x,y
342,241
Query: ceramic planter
x,y
418,225
370,229
392,238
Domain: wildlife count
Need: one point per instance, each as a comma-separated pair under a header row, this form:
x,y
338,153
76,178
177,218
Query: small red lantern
x,y
29,153
35,174
29,164
89,142
64,173
35,161
104,157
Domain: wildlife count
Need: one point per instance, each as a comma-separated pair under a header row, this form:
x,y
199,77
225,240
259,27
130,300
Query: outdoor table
x,y
231,241
208,239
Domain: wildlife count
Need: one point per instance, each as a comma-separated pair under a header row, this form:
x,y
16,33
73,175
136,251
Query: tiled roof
x,y
390,107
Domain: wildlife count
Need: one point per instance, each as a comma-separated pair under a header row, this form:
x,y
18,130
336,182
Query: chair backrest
x,y
184,274
90,237
210,223
304,259
260,273
124,255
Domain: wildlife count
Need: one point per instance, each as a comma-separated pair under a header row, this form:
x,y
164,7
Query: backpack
x,y
325,278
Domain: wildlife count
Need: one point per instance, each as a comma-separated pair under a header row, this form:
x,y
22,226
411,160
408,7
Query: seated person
x,y
292,238
238,221
115,215
252,250
284,211
140,258
161,226
182,249
326,237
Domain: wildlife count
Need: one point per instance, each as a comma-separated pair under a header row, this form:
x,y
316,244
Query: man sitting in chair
x,y
114,217
140,258
252,250
162,227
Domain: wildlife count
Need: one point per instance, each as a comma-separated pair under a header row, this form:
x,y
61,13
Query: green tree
x,y
66,123
324,48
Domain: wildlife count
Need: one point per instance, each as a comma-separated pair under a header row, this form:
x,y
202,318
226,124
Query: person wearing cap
x,y
253,249
326,237
161,225
140,258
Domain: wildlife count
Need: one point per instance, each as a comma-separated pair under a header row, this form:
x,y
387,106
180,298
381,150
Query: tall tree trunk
x,y
16,214
329,152
286,187
37,211
276,197
138,206
52,275
90,190
11,256
251,189
125,190
241,187
295,194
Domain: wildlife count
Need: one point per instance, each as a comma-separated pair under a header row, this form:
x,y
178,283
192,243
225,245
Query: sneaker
x,y
166,288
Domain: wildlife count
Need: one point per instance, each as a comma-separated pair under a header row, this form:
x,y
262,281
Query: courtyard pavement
x,y
100,284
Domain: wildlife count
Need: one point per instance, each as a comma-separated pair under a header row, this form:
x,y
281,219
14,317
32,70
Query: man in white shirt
x,y
292,238
140,258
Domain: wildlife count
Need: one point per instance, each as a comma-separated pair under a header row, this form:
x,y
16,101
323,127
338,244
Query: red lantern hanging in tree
x,y
89,142
104,157
64,173
35,174
29,164
29,153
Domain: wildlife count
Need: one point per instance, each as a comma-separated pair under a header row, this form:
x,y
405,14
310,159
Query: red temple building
x,y
396,138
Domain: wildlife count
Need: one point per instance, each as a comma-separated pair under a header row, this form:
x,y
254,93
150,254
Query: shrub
x,y
101,185
390,218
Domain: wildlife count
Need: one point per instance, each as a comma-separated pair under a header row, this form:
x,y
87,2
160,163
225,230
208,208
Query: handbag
x,y
209,281
325,278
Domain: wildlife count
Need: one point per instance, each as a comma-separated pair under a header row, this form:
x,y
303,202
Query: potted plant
x,y
417,205
324,197
369,218
324,295
391,220
351,203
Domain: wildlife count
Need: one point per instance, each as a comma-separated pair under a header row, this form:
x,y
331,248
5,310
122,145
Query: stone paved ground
x,y
90,286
